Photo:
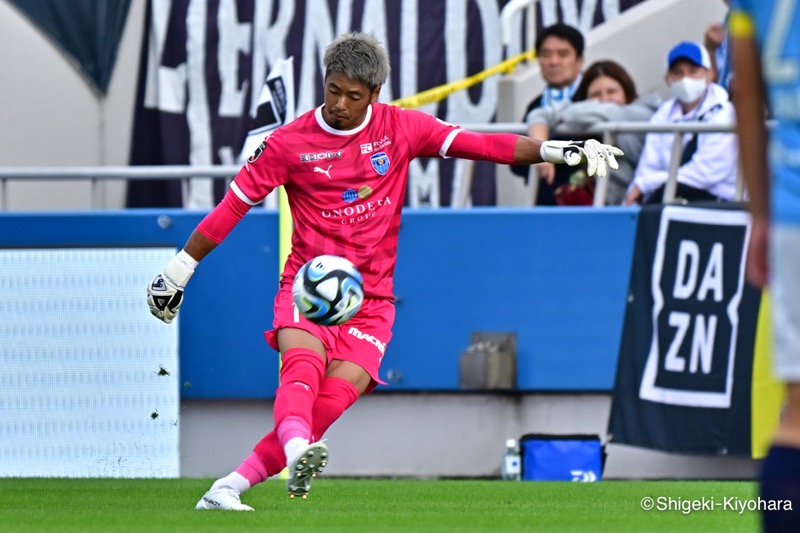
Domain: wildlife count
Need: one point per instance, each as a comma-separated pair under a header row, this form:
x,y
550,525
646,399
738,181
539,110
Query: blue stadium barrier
x,y
558,278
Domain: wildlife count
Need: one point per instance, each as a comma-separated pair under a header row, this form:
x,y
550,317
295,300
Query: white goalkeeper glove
x,y
165,292
597,156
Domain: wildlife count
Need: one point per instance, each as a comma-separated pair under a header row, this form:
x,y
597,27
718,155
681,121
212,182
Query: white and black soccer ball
x,y
328,290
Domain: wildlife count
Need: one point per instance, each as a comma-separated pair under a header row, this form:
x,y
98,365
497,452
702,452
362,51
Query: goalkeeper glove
x,y
597,156
165,292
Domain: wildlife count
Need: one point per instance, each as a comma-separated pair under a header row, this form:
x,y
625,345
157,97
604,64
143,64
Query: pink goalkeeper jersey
x,y
345,188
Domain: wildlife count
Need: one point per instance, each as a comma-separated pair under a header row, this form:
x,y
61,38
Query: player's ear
x,y
374,96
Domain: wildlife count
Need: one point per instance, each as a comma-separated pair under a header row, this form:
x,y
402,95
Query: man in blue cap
x,y
708,164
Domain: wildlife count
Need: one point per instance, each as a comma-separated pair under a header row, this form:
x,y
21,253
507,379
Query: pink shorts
x,y
361,340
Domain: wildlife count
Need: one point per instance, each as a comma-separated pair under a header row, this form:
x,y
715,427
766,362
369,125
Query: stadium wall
x,y
435,435
556,279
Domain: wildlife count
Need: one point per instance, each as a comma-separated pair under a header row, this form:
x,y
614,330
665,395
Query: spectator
x,y
559,49
708,164
606,93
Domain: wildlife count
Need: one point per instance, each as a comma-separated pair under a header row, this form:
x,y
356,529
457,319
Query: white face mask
x,y
689,90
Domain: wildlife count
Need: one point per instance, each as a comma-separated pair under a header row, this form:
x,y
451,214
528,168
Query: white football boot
x,y
304,468
226,499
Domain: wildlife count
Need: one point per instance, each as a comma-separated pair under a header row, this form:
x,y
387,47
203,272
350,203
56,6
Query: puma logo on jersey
x,y
323,171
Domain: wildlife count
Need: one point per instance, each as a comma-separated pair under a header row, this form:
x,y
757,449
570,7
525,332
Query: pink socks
x,y
253,469
335,396
301,375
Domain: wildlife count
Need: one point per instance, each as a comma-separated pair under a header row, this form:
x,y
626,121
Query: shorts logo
x,y
357,333
380,162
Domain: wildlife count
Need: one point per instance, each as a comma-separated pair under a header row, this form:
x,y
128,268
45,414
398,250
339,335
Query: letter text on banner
x,y
685,377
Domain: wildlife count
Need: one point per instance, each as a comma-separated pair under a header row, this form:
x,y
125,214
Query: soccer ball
x,y
328,290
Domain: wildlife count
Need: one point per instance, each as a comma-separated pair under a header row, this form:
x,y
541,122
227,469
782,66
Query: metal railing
x,y
186,173
95,175
609,131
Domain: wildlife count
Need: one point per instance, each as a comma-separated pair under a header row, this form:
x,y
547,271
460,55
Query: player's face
x,y
559,62
606,89
346,101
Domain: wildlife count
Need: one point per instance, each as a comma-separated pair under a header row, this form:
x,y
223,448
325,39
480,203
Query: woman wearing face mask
x,y
709,160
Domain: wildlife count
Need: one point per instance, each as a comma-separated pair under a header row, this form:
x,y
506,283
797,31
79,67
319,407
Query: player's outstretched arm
x,y
510,149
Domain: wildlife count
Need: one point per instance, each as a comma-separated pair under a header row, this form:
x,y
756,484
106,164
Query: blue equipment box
x,y
562,457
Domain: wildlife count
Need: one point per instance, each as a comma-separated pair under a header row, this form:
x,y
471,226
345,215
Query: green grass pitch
x,y
374,506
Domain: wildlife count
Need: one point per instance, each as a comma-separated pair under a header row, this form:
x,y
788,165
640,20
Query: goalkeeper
x,y
351,143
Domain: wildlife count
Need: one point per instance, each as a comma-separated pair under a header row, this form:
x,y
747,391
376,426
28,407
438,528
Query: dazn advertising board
x,y
685,371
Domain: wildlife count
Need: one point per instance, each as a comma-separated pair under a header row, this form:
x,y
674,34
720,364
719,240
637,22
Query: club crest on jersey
x,y
380,162
258,152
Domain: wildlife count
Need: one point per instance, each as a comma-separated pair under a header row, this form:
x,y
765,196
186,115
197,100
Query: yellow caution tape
x,y
441,92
